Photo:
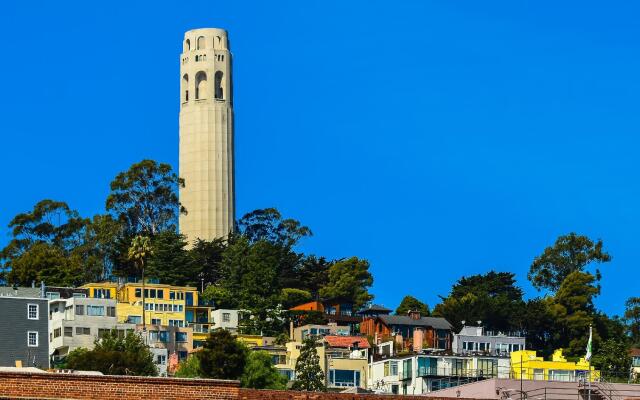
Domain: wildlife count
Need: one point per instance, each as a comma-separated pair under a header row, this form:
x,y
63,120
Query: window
x,y
181,336
160,293
407,366
79,296
103,332
393,368
201,43
95,311
176,322
386,369
538,374
53,295
201,85
32,311
219,85
83,331
156,321
102,293
163,336
182,355
68,331
636,361
138,292
487,367
161,359
226,317
57,332
187,45
111,311
32,339
344,378
79,309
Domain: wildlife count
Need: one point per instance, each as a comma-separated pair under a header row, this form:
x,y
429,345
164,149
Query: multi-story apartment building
x,y
25,327
423,373
174,339
302,332
474,339
77,322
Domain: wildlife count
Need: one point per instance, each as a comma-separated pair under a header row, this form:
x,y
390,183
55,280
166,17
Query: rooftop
x,y
433,322
347,341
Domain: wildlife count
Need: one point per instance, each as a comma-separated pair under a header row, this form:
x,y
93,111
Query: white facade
x,y
206,135
423,373
78,322
226,319
476,340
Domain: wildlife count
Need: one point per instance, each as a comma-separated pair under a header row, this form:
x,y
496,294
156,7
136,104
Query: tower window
x,y
219,85
185,88
201,44
201,85
187,45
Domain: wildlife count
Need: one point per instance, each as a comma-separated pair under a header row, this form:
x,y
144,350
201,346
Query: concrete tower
x,y
206,135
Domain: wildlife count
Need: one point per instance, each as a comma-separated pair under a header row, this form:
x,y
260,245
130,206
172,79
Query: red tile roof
x,y
634,352
347,341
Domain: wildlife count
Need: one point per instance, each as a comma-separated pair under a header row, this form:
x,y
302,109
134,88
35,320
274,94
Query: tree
x,y
222,356
139,251
291,297
632,318
206,257
189,368
113,355
613,360
492,298
259,373
145,198
570,253
267,225
410,303
573,311
309,375
349,279
44,262
170,262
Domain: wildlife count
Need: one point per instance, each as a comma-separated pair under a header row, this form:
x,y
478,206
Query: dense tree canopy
x,y
222,357
349,279
113,355
570,253
410,303
259,373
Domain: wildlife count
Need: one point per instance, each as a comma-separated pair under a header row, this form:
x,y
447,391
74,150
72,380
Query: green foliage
x,y
632,318
189,368
309,375
206,259
570,253
145,198
410,303
259,373
572,310
115,356
349,280
290,297
492,298
612,359
170,261
222,356
267,225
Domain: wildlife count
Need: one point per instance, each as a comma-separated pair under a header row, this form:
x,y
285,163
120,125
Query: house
x,y
25,328
373,310
410,332
336,311
77,322
343,360
526,364
226,319
279,358
421,373
57,292
175,339
634,353
476,340
302,332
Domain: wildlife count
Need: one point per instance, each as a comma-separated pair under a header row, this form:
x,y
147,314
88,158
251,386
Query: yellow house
x,y
165,305
527,364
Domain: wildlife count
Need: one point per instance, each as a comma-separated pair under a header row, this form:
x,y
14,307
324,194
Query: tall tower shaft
x,y
206,135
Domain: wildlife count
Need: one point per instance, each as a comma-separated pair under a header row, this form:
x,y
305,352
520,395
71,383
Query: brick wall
x,y
251,394
20,385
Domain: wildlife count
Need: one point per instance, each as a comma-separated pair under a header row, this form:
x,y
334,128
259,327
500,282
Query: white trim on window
x,y
36,311
35,337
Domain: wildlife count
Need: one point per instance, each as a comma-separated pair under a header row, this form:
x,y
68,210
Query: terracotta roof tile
x,y
347,341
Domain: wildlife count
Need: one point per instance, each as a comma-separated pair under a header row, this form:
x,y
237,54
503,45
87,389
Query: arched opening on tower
x,y
187,45
201,43
184,88
201,85
219,85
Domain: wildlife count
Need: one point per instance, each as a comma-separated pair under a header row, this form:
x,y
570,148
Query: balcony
x,y
201,328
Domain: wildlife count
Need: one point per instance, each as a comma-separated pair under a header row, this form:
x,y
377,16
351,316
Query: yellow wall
x,y
531,362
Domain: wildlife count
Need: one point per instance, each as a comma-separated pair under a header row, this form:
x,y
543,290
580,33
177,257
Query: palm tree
x,y
138,252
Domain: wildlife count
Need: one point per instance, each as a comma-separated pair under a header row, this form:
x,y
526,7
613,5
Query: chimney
x,y
413,314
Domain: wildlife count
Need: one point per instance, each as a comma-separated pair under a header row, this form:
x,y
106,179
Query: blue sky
x,y
434,138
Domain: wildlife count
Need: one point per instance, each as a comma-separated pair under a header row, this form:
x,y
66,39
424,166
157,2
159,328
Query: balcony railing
x,y
461,372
